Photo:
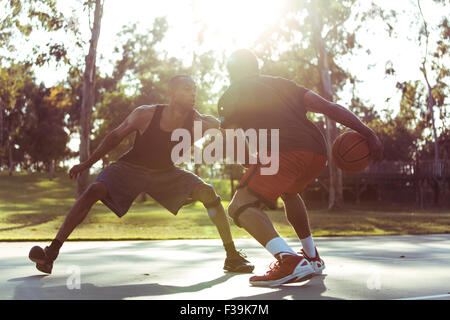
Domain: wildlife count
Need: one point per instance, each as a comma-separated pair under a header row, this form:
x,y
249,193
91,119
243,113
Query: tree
x,y
15,82
44,137
18,20
430,98
87,95
140,77
313,36
34,124
420,100
335,193
21,18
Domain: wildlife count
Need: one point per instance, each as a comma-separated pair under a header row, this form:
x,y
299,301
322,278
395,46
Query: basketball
x,y
351,152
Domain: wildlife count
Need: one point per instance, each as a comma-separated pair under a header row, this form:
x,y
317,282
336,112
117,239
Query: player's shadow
x,y
312,289
31,288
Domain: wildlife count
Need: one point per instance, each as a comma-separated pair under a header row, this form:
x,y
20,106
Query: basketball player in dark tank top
x,y
148,167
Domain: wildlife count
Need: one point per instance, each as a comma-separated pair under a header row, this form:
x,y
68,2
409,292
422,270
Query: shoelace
x,y
274,266
242,254
303,254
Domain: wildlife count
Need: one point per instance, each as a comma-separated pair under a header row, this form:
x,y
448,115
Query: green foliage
x,y
21,18
44,137
140,77
418,104
15,84
294,33
115,107
33,119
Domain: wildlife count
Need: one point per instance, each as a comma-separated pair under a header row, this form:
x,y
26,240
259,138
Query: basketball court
x,y
390,267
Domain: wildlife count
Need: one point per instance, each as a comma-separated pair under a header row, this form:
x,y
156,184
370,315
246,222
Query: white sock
x,y
279,246
308,246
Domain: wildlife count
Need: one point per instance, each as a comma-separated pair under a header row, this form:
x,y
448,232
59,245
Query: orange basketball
x,y
351,152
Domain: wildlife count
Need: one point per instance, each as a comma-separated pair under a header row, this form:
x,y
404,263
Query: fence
x,y
425,182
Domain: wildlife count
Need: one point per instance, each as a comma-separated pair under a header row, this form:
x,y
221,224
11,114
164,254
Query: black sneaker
x,y
237,263
43,258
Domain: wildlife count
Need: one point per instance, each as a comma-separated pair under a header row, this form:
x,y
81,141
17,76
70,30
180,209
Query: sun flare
x,y
235,22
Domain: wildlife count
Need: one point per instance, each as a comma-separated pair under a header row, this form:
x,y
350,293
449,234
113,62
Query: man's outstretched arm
x,y
132,123
208,121
211,122
317,104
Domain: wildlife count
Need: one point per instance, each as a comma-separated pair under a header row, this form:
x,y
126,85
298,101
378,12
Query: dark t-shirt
x,y
265,102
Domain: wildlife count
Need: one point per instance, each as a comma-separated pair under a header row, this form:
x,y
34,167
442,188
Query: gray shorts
x,y
172,188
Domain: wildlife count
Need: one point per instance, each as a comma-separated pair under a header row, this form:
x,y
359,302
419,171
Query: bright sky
x,y
235,24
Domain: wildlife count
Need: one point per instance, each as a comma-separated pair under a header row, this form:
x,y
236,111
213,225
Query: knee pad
x,y
205,194
214,203
234,213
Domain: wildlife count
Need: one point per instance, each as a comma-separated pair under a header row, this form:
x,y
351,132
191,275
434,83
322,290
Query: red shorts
x,y
296,170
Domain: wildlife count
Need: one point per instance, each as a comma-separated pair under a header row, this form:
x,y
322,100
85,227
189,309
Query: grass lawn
x,y
33,208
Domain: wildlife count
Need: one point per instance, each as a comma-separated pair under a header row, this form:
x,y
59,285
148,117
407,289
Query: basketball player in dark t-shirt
x,y
255,101
148,167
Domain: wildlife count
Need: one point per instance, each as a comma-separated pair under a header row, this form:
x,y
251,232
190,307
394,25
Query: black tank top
x,y
153,148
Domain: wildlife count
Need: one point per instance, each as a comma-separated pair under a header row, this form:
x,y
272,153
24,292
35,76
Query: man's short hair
x,y
175,81
243,62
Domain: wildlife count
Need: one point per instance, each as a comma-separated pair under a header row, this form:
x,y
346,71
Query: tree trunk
x,y
52,169
1,123
87,97
335,193
430,103
9,147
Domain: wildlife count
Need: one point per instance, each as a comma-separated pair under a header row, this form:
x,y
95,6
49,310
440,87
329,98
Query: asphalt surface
x,y
389,267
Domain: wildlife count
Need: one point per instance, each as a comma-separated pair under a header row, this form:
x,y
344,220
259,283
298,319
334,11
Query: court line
x,y
426,297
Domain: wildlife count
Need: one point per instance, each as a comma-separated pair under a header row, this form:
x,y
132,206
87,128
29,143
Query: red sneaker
x,y
316,262
290,268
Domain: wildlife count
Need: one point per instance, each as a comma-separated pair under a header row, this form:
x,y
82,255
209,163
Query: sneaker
x,y
290,268
317,263
238,263
43,258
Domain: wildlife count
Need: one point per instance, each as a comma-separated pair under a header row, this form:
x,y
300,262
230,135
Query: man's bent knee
x,y
206,195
